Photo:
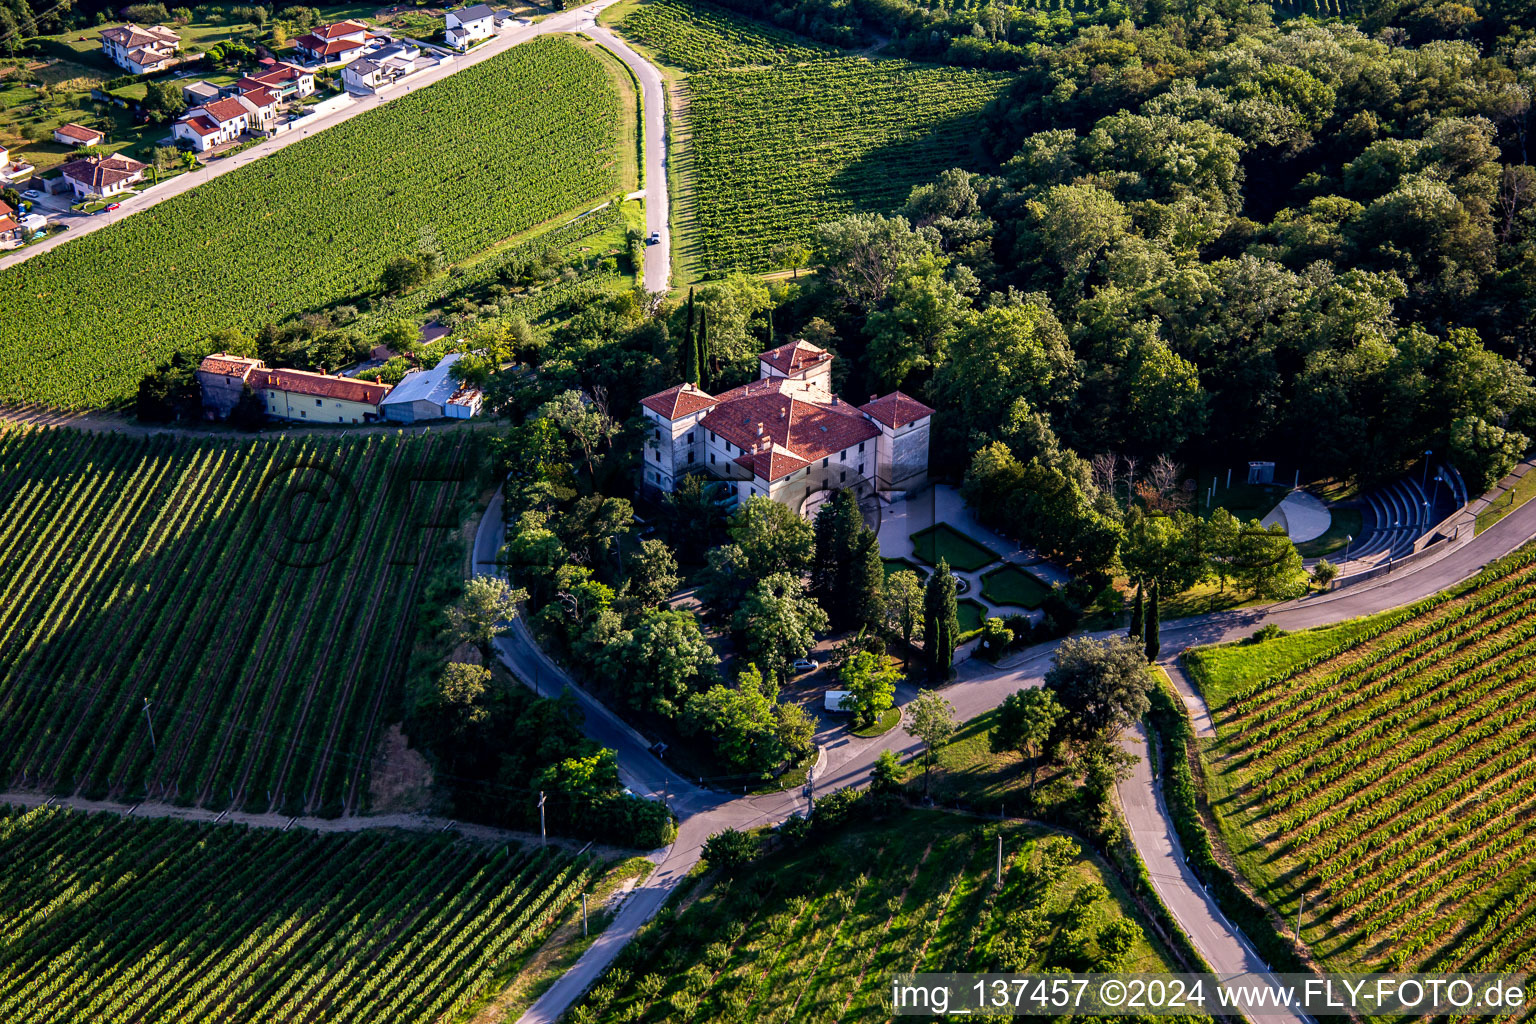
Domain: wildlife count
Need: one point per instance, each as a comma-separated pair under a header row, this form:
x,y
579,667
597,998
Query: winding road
x,y
977,688
658,271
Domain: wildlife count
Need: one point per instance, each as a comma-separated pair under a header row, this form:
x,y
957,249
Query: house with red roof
x,y
225,120
98,177
786,436
283,80
140,50
77,135
287,394
336,43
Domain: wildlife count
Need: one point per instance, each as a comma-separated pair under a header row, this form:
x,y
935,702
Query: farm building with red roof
x,y
786,436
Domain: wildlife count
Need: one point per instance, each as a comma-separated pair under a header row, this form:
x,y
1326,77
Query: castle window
x,y
842,476
861,446
861,469
711,458
690,458
690,437
658,456
842,456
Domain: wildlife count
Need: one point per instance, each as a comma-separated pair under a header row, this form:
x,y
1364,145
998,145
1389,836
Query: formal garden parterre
x,y
462,164
261,596
110,918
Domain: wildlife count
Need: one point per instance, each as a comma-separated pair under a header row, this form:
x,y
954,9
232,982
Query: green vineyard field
x,y
261,595
777,150
701,37
108,918
1389,775
468,161
816,934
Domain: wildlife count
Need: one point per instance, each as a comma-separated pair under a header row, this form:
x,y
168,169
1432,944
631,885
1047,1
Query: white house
x,y
336,43
285,81
99,177
384,67
77,135
13,170
221,121
140,50
786,436
468,25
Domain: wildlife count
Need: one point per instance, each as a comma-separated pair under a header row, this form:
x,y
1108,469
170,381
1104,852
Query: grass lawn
x,y
1244,500
1218,670
1011,585
1203,598
815,932
1347,522
971,613
884,724
901,564
1522,492
946,542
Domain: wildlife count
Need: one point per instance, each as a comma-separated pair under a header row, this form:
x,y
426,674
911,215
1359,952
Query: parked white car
x,y
806,665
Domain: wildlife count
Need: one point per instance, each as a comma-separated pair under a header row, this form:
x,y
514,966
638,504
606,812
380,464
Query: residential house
x,y
318,397
285,81
10,227
99,177
13,170
200,92
222,378
77,135
787,436
429,395
381,68
140,50
336,43
225,120
469,25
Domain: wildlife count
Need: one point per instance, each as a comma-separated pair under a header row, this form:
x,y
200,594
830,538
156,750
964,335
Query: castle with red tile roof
x,y
786,435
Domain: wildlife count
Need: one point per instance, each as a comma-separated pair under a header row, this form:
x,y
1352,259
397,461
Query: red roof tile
x,y
771,465
96,173
790,417
679,400
325,47
896,409
340,28
78,131
228,365
320,385
225,110
794,357
202,125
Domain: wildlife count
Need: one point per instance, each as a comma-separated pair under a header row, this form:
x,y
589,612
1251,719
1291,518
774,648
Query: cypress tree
x,y
866,584
1138,616
941,623
688,352
770,327
702,347
1154,641
693,369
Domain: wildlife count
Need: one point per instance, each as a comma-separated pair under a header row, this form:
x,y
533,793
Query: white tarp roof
x,y
432,385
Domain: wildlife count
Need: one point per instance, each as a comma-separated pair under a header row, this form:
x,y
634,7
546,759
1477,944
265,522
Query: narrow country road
x,y
577,19
977,688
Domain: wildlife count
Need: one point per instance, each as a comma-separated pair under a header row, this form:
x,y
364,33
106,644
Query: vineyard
x,y
702,37
815,935
484,154
109,918
1390,776
778,150
261,596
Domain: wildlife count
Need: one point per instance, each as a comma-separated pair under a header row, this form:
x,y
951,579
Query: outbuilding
x,y
425,395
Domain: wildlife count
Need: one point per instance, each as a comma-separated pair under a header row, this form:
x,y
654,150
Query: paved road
x,y
977,688
579,19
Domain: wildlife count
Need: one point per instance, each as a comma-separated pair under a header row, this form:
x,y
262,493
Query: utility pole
x,y
810,789
999,862
151,722
543,838
1427,454
1349,539
1298,917
583,915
